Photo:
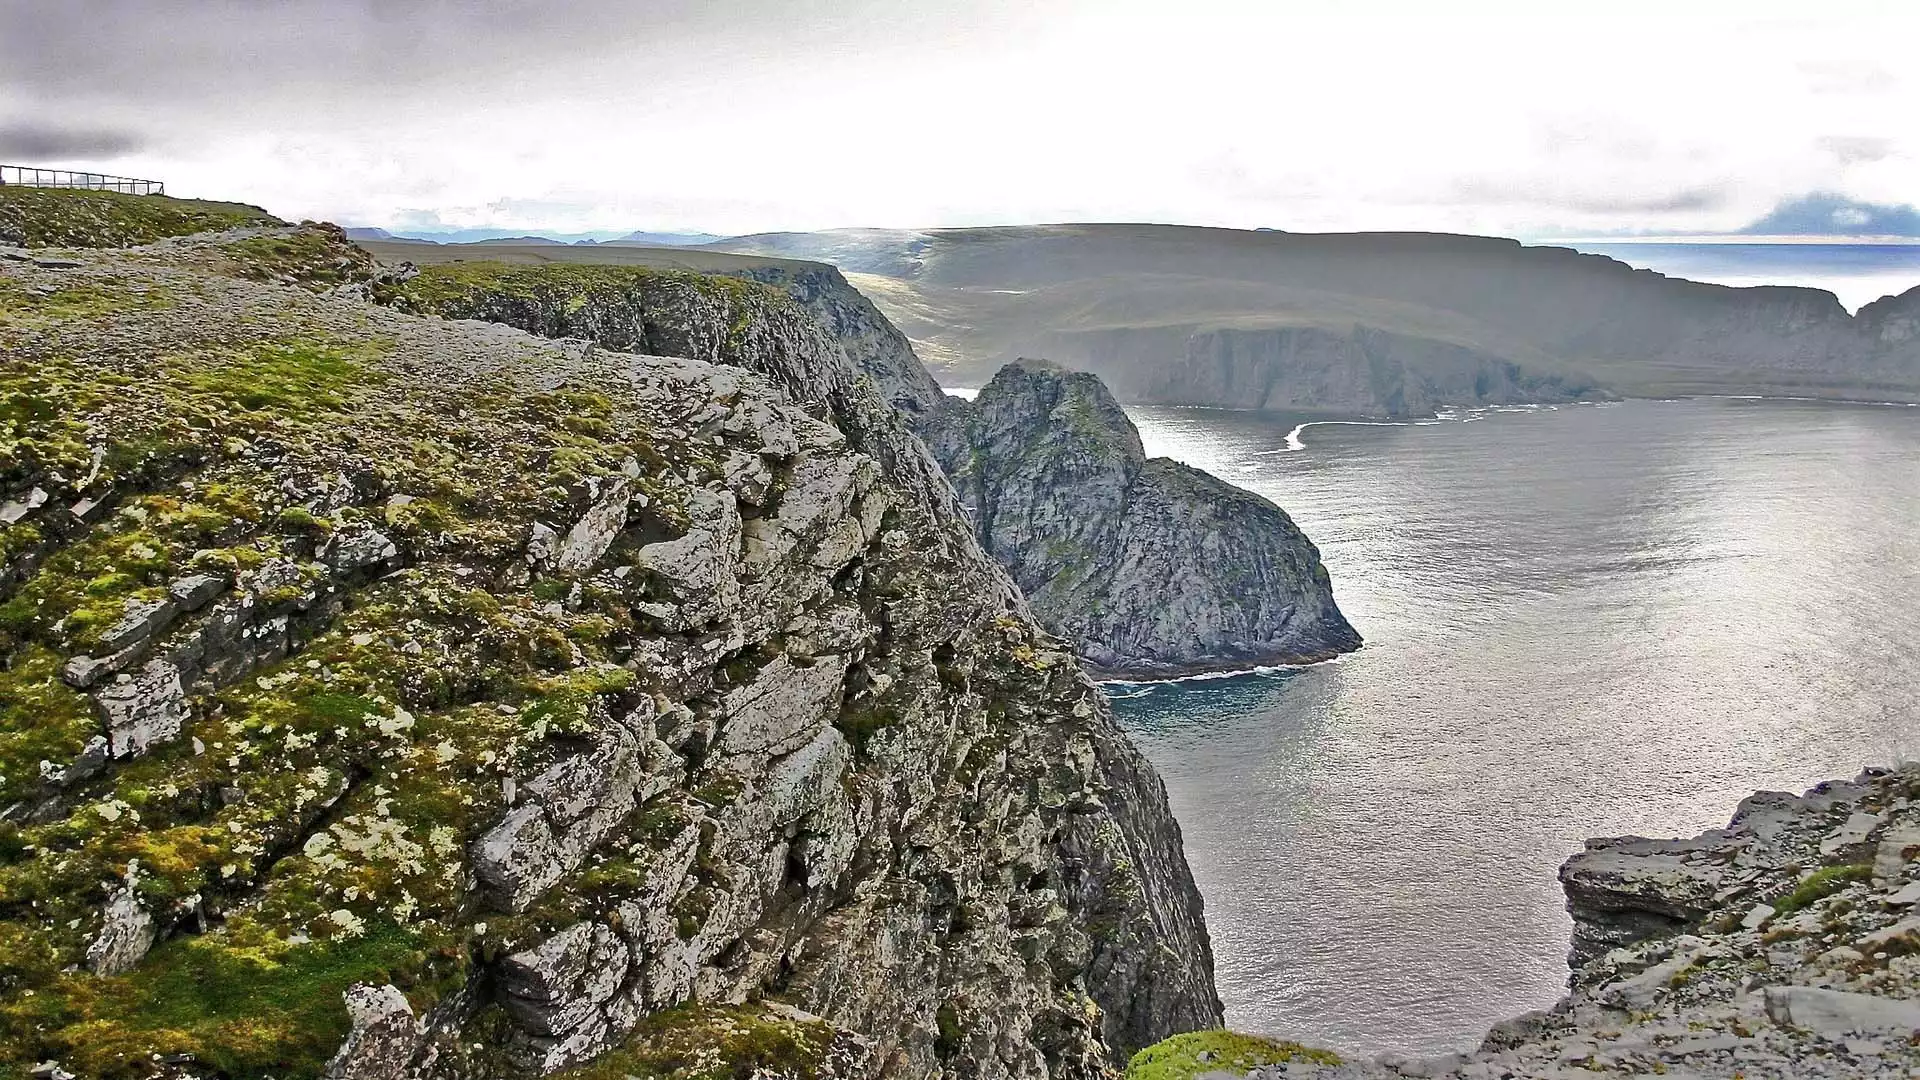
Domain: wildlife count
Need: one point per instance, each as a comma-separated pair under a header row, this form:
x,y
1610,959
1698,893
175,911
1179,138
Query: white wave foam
x,y
1294,443
1141,687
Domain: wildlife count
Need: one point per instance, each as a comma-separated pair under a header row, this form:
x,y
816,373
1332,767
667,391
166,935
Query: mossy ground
x,y
1184,1057
46,217
317,813
717,1042
1821,884
576,286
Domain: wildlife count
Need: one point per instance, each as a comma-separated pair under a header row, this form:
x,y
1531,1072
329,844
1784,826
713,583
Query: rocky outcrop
x,y
1146,567
1787,944
874,347
474,704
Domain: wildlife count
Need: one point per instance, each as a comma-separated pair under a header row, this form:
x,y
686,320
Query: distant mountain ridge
x,y
1386,324
508,236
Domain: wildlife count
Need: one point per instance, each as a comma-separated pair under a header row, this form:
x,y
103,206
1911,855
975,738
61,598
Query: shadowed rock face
x,y
528,703
1145,566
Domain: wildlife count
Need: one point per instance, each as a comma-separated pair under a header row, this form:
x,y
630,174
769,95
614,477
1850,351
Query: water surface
x,y
1581,621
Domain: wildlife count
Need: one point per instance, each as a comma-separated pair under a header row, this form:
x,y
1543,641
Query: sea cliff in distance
x,y
1381,324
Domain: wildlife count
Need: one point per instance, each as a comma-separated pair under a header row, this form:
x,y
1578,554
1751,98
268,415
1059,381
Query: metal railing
x,y
28,176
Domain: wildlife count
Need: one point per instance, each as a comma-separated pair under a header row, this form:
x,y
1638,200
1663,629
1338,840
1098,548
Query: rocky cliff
x,y
1137,303
1145,566
1785,945
386,696
872,345
1360,371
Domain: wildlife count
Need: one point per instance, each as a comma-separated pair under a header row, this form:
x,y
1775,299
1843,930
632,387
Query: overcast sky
x,y
796,114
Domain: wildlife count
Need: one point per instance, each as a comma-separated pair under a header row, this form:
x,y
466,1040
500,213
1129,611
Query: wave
x,y
1814,400
1446,414
1141,687
1294,444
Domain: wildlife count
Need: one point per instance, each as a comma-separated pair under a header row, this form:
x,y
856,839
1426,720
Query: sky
x,y
1529,120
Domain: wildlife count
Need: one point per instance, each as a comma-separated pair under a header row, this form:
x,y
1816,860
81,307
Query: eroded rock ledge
x,y
389,696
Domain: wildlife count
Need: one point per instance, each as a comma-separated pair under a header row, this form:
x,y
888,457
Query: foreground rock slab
x,y
1783,945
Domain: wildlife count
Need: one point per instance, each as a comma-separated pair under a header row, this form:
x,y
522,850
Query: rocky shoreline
x,y
1784,945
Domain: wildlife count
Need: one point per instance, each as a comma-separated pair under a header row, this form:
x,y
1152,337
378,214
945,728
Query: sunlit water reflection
x,y
1580,621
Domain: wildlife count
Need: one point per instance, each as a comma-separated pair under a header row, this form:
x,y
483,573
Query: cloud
x,y
1825,213
32,142
1856,149
760,115
1586,198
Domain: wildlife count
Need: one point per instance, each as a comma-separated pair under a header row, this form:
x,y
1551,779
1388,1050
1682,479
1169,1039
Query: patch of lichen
x,y
1185,1057
717,1042
45,217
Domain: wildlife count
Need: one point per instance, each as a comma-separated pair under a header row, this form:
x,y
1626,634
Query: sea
x,y
1584,620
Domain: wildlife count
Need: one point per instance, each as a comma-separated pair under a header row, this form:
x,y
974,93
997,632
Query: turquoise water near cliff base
x,y
1582,621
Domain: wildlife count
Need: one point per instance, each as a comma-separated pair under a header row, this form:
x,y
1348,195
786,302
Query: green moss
x,y
716,1042
290,376
1184,1057
20,306
316,257
1821,884
41,719
247,1004
46,217
567,288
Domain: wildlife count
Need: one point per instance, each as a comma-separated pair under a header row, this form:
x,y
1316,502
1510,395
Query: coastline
x,y
1205,673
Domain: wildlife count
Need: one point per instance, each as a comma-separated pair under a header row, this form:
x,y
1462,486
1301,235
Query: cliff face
x,y
387,696
1363,371
872,345
1146,567
1123,301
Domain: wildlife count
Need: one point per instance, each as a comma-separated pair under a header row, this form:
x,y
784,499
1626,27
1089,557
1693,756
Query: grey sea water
x,y
1581,621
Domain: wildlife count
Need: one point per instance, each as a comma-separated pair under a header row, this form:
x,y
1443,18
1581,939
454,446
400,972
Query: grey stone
x,y
141,620
697,571
126,933
193,592
566,810
1838,1012
559,986
81,672
593,534
359,546
143,711
12,512
383,1038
